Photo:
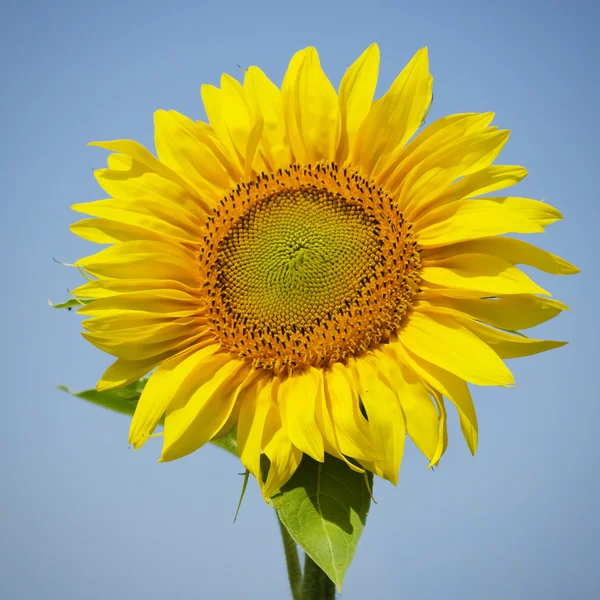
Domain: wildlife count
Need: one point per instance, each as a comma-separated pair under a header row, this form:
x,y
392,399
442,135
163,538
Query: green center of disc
x,y
296,258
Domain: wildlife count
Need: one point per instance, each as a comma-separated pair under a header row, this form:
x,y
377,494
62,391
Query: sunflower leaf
x,y
324,507
124,400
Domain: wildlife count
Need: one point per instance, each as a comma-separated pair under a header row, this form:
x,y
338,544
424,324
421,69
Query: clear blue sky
x,y
83,516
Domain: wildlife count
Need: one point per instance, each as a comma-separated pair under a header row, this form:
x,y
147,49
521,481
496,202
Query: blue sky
x,y
82,515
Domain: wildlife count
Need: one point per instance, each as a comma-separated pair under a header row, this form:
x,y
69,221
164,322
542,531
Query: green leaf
x,y
124,400
70,304
324,507
227,442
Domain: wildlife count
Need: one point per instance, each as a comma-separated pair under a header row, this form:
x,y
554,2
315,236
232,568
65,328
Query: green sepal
x,y
70,304
242,494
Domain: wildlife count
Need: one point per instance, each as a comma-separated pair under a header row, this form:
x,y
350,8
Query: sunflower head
x,y
310,268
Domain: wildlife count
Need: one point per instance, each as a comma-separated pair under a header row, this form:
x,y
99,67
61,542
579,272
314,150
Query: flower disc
x,y
315,266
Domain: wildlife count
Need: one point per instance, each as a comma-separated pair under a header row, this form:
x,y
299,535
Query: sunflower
x,y
306,268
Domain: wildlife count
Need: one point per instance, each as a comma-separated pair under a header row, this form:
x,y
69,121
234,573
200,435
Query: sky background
x,y
84,516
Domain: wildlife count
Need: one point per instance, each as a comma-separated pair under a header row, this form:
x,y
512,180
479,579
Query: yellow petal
x,y
482,273
207,136
264,101
352,429
431,290
229,116
327,428
154,215
140,349
162,386
451,386
311,109
442,340
297,397
143,176
133,152
255,401
356,92
123,372
534,210
422,423
504,343
394,118
119,162
489,179
514,251
103,288
149,343
105,231
440,133
231,422
202,404
507,345
143,259
251,156
442,429
179,145
386,420
169,303
124,321
458,159
283,455
520,311
468,220
140,184
157,332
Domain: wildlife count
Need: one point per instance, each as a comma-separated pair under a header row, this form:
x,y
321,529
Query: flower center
x,y
295,257
308,266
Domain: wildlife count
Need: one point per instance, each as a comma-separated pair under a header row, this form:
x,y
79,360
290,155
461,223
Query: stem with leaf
x,y
315,584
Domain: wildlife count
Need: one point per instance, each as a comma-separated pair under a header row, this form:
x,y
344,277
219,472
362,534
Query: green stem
x,y
316,584
292,561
